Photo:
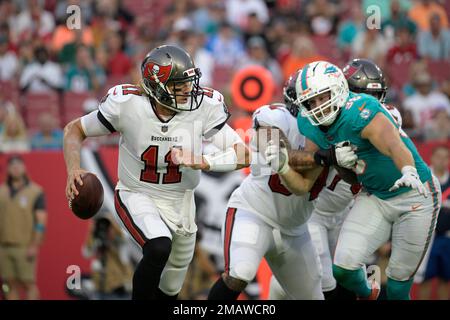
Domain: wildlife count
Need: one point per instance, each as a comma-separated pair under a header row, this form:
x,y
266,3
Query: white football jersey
x,y
262,192
145,163
336,196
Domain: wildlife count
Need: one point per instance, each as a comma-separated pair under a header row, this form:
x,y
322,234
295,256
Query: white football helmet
x,y
316,78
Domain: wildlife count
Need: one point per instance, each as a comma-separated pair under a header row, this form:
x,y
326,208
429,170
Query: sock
x,y
353,280
220,291
339,293
398,290
148,272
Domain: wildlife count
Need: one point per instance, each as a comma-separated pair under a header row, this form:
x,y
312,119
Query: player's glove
x,y
410,179
277,156
342,154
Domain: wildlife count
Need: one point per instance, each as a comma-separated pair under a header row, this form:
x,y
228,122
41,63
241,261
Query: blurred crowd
x,y
51,73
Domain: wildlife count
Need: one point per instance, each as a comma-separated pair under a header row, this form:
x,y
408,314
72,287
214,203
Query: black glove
x,y
325,157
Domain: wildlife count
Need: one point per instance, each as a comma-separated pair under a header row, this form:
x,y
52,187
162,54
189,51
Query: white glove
x,y
277,157
410,179
345,155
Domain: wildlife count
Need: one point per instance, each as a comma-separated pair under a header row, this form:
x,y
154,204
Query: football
x,y
89,199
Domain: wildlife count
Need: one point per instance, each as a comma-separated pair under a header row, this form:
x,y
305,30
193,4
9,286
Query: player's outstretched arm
x,y
342,155
233,154
297,183
300,183
386,138
301,160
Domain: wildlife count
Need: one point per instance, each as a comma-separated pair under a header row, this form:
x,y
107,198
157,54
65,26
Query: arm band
x,y
222,161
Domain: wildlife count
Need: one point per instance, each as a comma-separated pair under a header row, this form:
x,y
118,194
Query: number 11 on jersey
x,y
150,172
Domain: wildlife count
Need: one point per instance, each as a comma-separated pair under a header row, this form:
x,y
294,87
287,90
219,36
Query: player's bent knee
x,y
233,283
400,273
244,270
156,251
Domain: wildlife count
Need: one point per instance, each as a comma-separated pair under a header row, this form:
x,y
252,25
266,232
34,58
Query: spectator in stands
x,y
8,60
49,136
404,49
226,47
34,22
425,101
238,11
115,13
422,11
416,68
438,129
200,16
3,113
322,16
278,36
370,44
179,31
203,58
445,88
23,219
119,64
438,264
254,28
6,107
25,55
398,19
257,54
67,49
435,43
218,16
42,75
85,75
303,52
7,15
349,29
111,269
14,137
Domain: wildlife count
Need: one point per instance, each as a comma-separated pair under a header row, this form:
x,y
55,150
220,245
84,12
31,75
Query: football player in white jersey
x,y
264,219
330,209
162,123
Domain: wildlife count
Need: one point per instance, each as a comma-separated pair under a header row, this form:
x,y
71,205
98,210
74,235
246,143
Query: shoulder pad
x,y
123,92
212,97
270,108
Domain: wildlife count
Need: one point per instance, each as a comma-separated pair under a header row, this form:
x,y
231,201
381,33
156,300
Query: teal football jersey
x,y
375,171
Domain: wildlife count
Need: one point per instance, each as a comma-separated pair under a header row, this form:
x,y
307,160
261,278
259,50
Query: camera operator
x,y
111,268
